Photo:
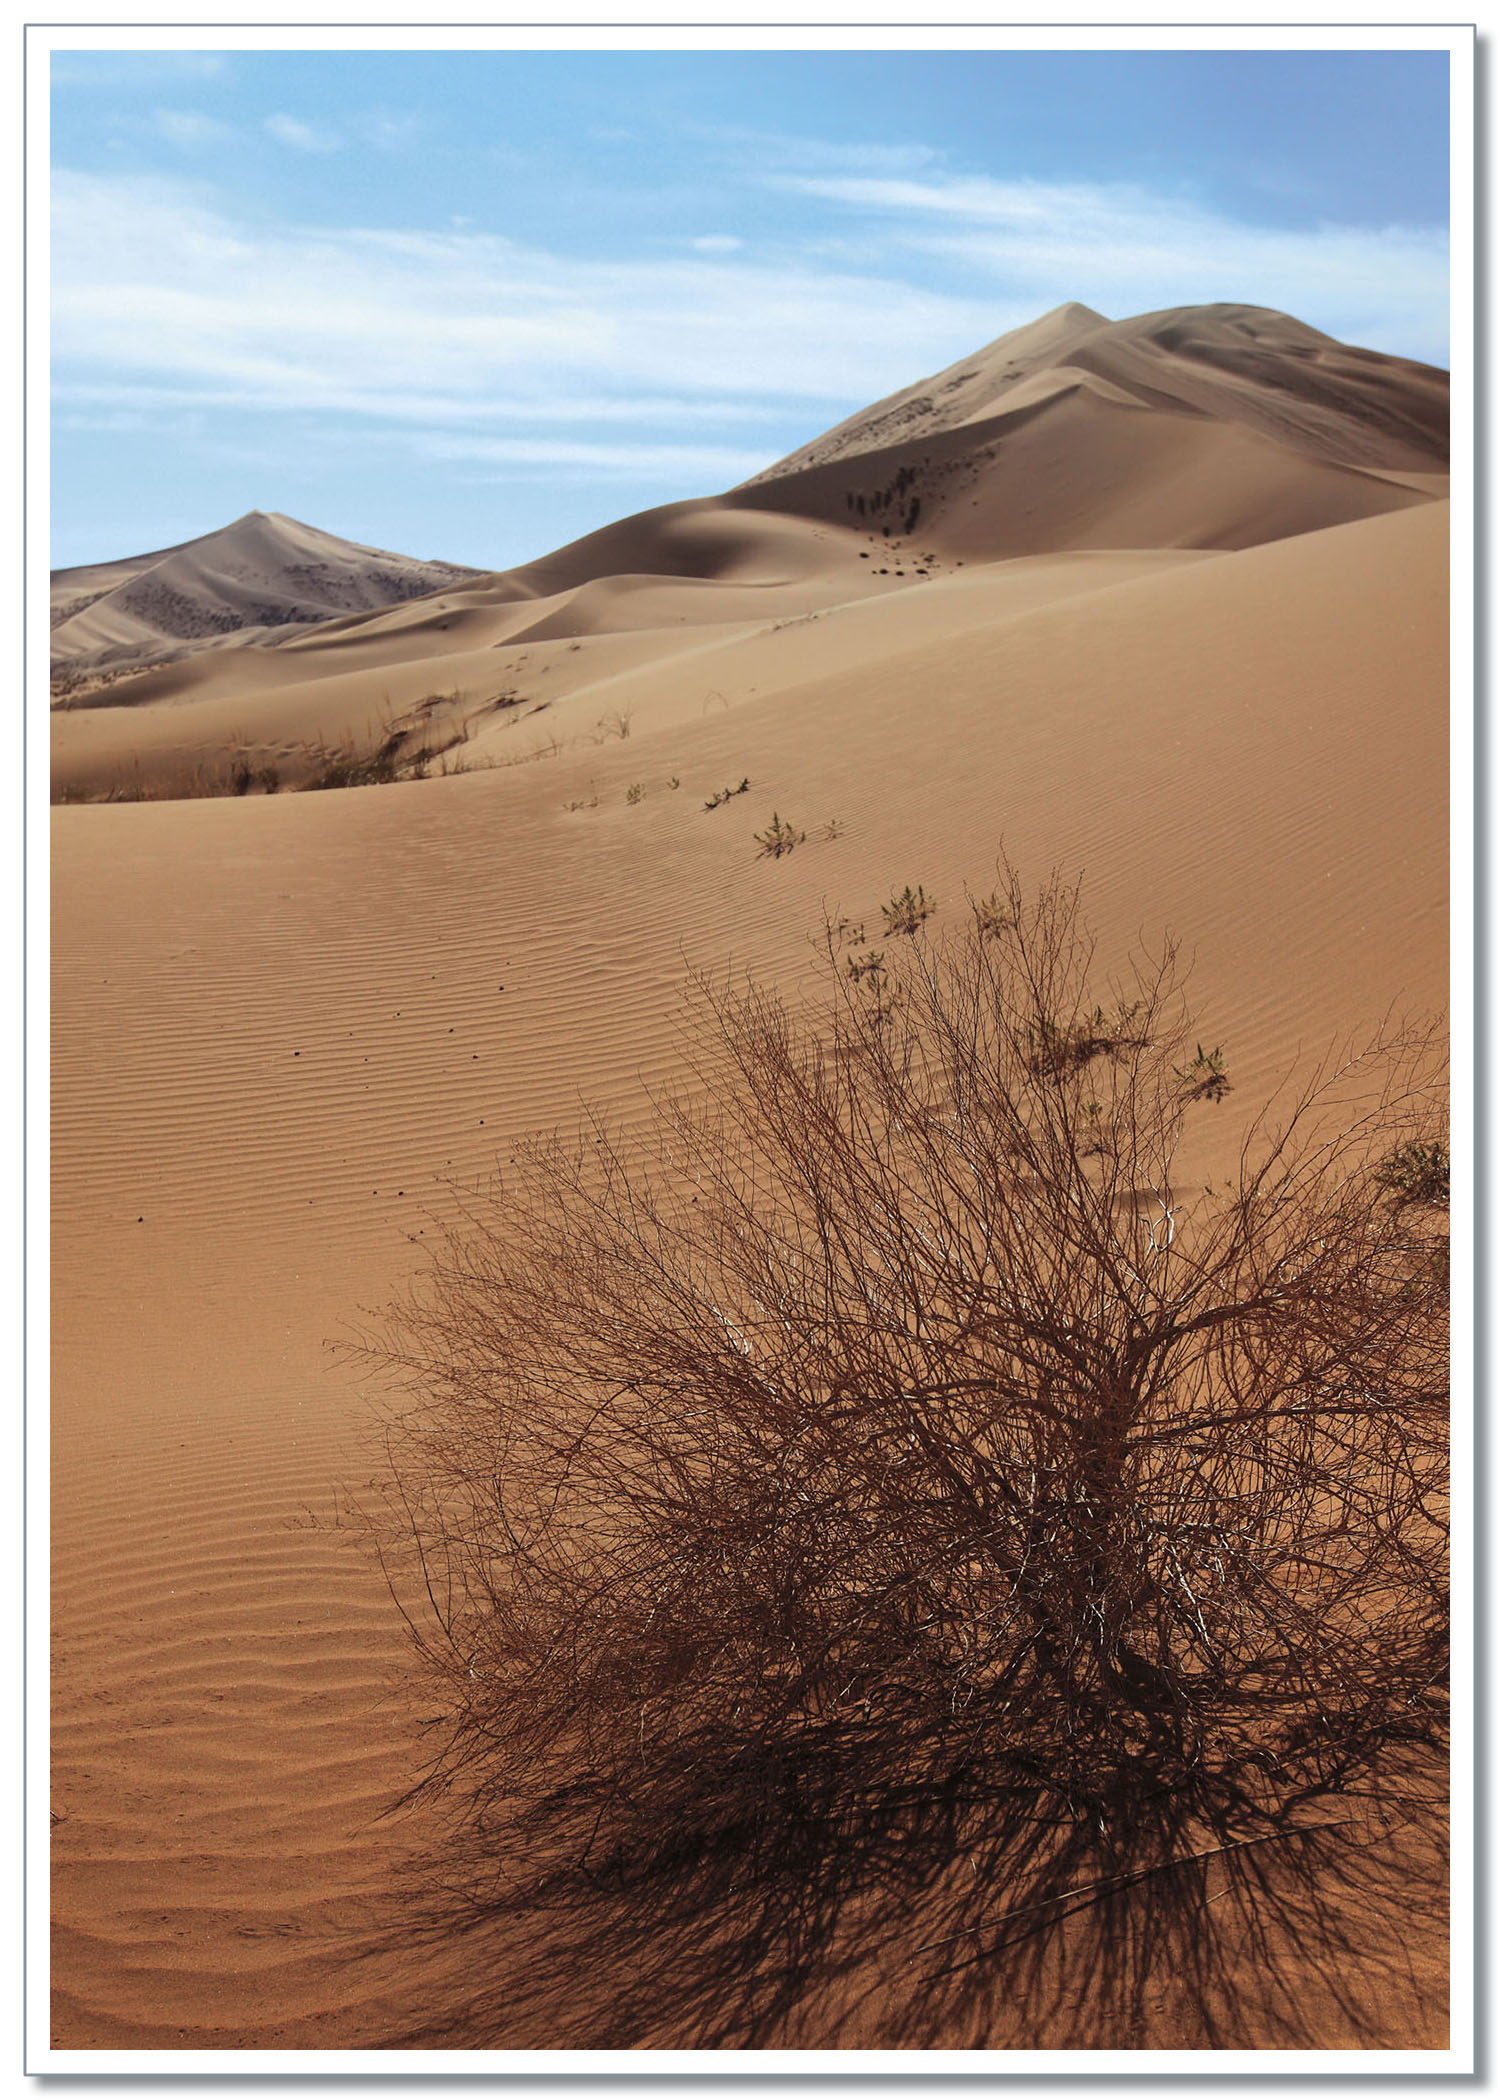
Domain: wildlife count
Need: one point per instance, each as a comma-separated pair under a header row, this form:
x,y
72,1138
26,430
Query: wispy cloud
x,y
307,138
759,151
1123,248
684,465
99,404
491,358
152,284
388,131
188,128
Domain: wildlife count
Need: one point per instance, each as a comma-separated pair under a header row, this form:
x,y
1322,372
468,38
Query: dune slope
x,y
248,581
1245,364
282,1022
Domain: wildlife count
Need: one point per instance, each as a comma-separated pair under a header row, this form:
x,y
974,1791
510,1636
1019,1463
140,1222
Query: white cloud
x,y
150,283
188,127
96,404
1125,250
687,464
307,138
759,150
385,130
460,345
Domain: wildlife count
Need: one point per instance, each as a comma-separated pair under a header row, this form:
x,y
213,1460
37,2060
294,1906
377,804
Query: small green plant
x,y
992,916
833,829
878,989
778,838
579,803
635,792
1417,1173
909,911
1061,1047
1093,1136
674,782
727,794
1205,1078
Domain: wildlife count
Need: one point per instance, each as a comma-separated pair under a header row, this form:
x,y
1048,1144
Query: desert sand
x,y
1164,602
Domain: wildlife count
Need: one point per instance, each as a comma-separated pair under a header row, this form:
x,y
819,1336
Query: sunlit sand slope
x,y
282,1022
1245,364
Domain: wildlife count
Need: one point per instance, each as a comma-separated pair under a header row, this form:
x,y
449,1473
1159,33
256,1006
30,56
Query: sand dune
x,y
1204,429
245,583
283,1024
1242,364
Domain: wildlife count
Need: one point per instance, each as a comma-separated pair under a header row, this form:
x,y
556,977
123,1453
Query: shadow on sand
x,y
856,1915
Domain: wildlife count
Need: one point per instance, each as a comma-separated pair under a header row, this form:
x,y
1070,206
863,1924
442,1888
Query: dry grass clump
x,y
908,912
991,914
890,1466
778,838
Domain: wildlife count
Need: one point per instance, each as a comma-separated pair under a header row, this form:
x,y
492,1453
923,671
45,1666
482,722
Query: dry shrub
x,y
894,1435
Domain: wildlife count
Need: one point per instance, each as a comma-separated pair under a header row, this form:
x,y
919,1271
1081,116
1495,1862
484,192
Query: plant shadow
x,y
828,1913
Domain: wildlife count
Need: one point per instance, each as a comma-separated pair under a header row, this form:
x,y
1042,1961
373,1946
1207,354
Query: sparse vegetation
x,y
1058,1048
991,915
1204,1076
889,1484
1417,1172
345,766
909,912
778,838
636,791
727,794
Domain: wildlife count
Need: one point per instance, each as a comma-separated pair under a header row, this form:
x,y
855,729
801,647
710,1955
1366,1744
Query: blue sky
x,y
473,304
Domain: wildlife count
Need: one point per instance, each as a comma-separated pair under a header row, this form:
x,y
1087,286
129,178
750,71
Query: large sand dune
x,y
1238,364
249,581
1204,665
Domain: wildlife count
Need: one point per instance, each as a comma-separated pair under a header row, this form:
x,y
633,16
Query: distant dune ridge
x,y
1201,429
1162,603
243,584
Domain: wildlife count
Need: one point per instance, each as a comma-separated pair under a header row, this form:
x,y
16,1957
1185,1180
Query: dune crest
x,y
241,584
1244,364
